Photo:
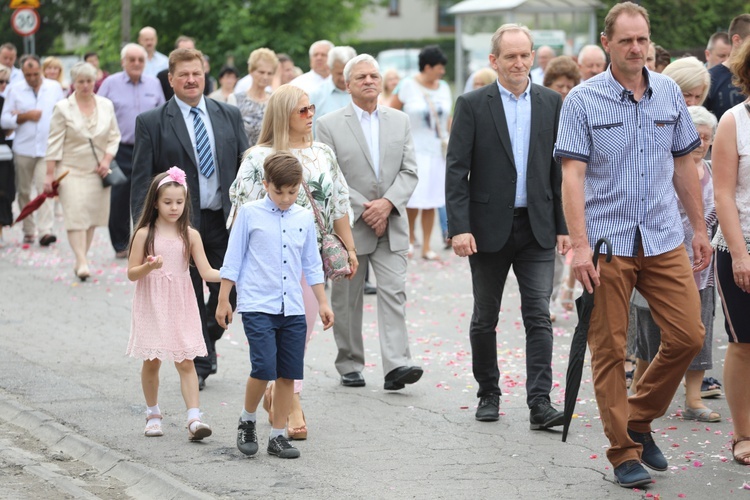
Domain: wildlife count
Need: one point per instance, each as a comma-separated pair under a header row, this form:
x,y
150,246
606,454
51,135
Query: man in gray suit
x,y
376,154
206,139
504,209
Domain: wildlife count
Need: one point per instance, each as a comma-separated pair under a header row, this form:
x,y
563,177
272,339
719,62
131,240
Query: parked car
x,y
405,61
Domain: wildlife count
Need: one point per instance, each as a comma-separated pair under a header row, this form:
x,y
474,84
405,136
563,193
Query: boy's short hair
x,y
282,169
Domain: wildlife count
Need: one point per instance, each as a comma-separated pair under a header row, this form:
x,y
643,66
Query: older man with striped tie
x,y
205,138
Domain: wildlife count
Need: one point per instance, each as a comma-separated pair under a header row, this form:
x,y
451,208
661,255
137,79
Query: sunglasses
x,y
307,110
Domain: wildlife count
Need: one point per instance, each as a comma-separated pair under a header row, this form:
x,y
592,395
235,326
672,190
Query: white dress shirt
x,y
371,128
31,137
537,75
309,82
156,64
243,84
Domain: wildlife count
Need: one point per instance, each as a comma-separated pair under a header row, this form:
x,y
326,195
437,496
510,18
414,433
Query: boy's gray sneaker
x,y
281,447
247,439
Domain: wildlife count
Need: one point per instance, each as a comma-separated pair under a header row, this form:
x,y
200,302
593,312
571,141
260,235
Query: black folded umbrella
x,y
584,306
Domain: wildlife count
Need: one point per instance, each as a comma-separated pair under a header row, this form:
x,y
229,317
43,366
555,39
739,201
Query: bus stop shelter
x,y
476,20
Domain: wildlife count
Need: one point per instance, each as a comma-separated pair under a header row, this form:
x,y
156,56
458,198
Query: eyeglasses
x,y
307,110
3,82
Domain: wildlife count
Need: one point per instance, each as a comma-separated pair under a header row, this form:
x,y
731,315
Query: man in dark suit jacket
x,y
503,196
166,136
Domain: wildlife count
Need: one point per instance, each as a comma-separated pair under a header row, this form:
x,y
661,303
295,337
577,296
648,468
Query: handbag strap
x,y
315,208
93,150
433,111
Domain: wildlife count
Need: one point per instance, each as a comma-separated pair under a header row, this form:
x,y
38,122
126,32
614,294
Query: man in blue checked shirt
x,y
624,139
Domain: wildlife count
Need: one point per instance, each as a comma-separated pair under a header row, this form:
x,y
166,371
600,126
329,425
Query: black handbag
x,y
115,177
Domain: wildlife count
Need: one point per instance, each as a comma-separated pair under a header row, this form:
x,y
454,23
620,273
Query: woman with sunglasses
x,y
287,126
7,171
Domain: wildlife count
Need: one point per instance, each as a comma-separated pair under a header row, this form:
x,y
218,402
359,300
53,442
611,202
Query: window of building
x,y
446,22
393,7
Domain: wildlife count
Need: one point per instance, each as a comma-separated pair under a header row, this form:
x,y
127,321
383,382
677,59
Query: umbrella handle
x,y
62,176
598,248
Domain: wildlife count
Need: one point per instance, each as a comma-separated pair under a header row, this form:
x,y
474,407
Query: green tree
x,y
221,28
681,25
228,28
288,26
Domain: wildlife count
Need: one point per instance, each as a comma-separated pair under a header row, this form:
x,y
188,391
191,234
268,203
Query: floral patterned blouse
x,y
252,115
320,171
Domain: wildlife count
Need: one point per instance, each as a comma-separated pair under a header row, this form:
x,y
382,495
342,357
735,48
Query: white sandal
x,y
201,430
153,429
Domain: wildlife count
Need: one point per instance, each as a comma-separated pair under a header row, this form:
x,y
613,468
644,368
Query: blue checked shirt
x,y
268,251
629,148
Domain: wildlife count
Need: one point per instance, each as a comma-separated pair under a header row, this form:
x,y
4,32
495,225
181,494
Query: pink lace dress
x,y
166,324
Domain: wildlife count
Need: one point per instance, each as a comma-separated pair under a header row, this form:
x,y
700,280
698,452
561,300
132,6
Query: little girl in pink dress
x,y
165,320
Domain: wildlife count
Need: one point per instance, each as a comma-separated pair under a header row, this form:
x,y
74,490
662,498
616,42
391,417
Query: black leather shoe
x,y
399,377
201,383
489,408
543,416
353,379
651,456
632,474
369,289
47,240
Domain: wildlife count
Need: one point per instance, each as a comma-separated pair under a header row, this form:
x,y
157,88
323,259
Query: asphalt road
x,y
68,390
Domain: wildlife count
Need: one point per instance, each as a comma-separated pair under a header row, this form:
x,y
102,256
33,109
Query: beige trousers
x,y
30,174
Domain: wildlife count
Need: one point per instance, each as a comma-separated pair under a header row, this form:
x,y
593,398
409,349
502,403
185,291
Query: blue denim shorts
x,y
277,345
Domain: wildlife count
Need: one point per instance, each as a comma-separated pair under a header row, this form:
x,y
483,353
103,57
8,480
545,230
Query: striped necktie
x,y
202,145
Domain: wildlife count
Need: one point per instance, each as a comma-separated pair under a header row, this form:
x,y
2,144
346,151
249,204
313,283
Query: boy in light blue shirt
x,y
273,241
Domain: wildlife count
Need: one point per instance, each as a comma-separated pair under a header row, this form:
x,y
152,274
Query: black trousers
x,y
215,238
119,203
7,189
534,268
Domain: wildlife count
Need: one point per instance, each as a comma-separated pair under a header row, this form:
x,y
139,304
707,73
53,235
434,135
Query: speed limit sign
x,y
25,21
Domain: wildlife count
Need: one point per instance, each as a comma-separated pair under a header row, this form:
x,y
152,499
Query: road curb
x,y
141,481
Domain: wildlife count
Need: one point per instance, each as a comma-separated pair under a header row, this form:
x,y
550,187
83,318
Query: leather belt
x,y
520,211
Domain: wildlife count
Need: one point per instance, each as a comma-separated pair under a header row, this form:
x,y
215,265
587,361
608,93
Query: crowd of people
x,y
231,186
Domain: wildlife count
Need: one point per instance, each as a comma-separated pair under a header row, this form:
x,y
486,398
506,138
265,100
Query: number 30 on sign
x,y
25,22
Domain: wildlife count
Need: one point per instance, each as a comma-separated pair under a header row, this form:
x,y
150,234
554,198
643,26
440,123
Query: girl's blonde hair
x,y
386,91
53,62
150,213
274,131
485,76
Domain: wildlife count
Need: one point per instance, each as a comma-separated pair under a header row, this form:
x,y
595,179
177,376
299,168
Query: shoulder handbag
x,y
333,251
115,177
438,129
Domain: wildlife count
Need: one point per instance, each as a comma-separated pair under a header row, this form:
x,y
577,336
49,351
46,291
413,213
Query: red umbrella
x,y
37,202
